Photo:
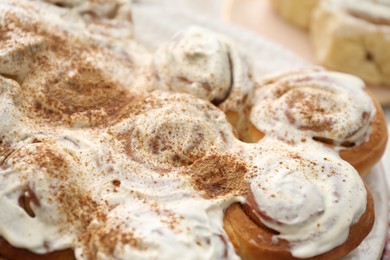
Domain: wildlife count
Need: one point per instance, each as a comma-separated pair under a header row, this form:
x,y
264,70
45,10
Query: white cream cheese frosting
x,y
77,188
77,63
205,64
195,62
91,162
307,194
178,133
327,106
84,189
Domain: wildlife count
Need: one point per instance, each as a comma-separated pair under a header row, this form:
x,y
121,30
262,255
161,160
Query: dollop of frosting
x,y
300,191
171,130
326,106
67,70
204,64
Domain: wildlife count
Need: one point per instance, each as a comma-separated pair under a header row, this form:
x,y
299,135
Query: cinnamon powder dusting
x,y
218,175
73,85
310,109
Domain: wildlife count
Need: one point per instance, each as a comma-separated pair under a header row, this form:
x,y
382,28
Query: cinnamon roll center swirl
x,y
82,95
320,105
173,132
299,195
197,62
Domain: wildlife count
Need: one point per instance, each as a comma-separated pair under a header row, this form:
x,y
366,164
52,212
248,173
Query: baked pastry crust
x,y
8,251
314,112
254,241
365,156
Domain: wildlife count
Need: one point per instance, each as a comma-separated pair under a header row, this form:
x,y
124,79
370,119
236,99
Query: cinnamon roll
x,y
67,72
207,65
319,106
293,205
297,12
91,194
171,130
353,36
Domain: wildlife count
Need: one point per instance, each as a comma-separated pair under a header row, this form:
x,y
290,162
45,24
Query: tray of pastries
x,y
113,149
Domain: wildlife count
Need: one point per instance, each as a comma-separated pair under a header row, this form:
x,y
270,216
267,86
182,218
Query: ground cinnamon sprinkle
x,y
88,94
110,238
218,175
311,111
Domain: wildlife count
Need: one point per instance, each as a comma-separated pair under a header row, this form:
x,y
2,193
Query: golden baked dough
x,y
297,12
292,176
353,37
254,241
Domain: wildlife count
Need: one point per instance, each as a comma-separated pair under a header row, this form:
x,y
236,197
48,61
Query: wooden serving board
x,y
258,16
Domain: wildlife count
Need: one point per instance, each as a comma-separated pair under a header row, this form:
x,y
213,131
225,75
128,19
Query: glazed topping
x,y
202,63
67,71
309,196
372,11
13,127
81,189
172,130
327,106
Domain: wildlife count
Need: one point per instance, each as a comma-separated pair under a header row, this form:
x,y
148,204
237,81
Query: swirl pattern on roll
x,y
77,66
204,64
300,191
172,130
325,106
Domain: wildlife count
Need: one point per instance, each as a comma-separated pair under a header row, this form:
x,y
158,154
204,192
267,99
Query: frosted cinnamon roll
x,y
321,106
353,36
16,127
207,65
171,130
67,74
40,183
294,203
297,12
76,193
